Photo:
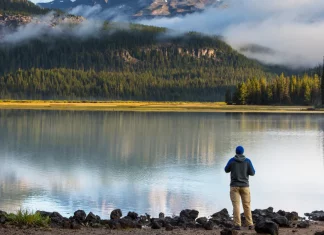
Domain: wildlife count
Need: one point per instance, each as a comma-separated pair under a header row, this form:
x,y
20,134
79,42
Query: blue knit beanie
x,y
239,150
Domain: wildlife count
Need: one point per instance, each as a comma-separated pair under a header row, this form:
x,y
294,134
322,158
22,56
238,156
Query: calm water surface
x,y
156,162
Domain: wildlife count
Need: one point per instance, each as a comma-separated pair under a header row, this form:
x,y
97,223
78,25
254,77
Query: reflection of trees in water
x,y
321,127
274,121
124,138
127,139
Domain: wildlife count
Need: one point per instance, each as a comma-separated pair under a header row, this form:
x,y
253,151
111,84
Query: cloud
x,y
51,25
118,13
292,29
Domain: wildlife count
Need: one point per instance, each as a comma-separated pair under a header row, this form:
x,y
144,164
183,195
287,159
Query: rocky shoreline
x,y
266,221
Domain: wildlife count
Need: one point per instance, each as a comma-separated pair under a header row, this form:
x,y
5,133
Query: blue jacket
x,y
241,168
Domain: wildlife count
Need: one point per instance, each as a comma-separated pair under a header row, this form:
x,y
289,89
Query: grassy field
x,y
150,106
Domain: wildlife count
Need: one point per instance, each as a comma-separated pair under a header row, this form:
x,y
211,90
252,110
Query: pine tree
x,y
228,96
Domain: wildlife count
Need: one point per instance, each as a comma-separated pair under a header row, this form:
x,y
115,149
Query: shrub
x,y
24,217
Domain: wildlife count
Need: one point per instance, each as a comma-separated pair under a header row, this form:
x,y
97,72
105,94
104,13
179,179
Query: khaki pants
x,y
238,193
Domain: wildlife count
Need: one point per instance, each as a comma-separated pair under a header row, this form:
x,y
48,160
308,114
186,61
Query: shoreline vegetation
x,y
151,106
187,222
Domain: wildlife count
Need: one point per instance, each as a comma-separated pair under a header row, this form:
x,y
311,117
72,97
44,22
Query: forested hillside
x,y
153,66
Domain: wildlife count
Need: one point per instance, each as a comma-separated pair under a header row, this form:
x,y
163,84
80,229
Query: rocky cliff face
x,y
174,7
12,21
165,51
139,8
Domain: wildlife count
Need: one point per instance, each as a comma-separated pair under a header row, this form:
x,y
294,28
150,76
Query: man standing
x,y
241,168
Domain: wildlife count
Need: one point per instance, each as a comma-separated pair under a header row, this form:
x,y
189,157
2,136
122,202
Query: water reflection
x,y
152,162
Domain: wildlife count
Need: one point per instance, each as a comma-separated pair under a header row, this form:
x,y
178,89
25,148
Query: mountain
x,y
134,63
138,8
62,56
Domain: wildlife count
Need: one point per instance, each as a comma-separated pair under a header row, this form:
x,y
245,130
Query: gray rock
x,y
92,218
303,224
209,225
116,214
156,225
132,215
282,221
316,215
292,216
266,226
80,216
202,220
161,215
75,225
189,214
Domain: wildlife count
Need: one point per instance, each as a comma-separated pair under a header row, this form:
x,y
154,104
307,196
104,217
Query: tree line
x,y
301,90
125,85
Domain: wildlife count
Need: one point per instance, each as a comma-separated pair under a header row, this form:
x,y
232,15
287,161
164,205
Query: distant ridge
x,y
139,8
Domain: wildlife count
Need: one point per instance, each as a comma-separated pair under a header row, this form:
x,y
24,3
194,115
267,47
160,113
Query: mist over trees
x,y
137,63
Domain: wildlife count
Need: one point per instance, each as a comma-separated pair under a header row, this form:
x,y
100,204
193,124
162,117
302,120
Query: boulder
x,y
282,221
189,214
281,212
316,215
319,233
303,224
202,220
112,224
222,218
267,226
132,215
56,219
161,215
191,224
79,216
292,216
75,225
44,213
127,223
144,220
156,225
116,214
92,218
209,225
175,221
223,215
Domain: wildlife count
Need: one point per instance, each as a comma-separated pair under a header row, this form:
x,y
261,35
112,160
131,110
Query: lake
x,y
156,162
